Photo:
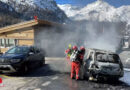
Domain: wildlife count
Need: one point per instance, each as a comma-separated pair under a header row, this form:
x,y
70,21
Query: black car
x,y
20,59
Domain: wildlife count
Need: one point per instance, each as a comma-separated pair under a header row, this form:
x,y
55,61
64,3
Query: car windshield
x,y
104,57
18,50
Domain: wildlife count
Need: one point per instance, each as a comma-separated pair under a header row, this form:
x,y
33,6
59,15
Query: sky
x,y
116,3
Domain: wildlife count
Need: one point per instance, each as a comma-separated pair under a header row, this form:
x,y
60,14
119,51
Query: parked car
x,y
101,64
20,59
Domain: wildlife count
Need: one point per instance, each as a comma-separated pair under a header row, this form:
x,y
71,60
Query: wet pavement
x,y
45,78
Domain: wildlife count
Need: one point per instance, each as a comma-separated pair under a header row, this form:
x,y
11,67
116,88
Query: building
x,y
22,33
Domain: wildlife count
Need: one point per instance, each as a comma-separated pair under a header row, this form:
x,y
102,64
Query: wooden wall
x,y
23,38
26,42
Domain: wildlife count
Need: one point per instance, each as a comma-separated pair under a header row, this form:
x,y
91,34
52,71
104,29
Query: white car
x,y
101,64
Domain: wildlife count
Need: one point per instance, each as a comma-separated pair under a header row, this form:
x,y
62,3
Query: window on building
x,y
8,42
11,42
2,42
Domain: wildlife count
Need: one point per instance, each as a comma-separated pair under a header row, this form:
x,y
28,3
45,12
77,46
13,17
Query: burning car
x,y
101,64
20,59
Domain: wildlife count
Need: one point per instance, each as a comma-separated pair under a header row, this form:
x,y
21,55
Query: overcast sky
x,y
116,3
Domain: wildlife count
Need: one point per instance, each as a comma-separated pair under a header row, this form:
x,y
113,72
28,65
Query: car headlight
x,y
15,60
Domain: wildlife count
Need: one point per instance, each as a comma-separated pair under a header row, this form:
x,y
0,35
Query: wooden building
x,y
21,33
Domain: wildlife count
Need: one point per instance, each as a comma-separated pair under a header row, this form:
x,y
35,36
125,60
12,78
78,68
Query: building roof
x,y
27,24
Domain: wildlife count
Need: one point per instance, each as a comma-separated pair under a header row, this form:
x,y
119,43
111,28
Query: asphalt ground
x,y
51,77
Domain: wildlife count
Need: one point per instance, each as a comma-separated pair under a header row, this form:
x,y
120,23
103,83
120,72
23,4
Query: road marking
x,y
46,83
37,89
54,78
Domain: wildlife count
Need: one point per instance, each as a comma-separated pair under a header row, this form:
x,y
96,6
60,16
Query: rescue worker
x,y
75,65
81,54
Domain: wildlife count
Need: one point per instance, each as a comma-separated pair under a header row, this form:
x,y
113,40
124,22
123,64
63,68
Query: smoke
x,y
99,35
102,37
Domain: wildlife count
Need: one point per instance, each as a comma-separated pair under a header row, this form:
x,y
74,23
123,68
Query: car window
x,y
18,50
103,57
90,56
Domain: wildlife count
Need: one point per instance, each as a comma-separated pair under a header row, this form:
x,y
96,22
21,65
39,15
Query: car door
x,y
32,58
38,57
37,54
89,60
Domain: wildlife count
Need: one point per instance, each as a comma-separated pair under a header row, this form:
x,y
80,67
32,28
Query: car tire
x,y
42,63
86,75
23,70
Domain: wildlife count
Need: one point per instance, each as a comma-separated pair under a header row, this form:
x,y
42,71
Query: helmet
x,y
82,48
70,46
75,48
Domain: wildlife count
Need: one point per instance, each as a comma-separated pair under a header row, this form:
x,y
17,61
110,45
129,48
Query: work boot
x,y
72,77
77,78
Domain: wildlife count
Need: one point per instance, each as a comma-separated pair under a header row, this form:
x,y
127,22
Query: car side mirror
x,y
31,53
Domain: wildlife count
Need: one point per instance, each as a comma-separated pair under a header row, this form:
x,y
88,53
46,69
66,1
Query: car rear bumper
x,y
7,69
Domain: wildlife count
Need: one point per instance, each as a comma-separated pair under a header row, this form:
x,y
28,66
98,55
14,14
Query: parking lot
x,y
48,78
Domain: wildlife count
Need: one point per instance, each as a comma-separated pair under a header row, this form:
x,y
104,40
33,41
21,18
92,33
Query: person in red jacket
x,y
81,55
75,65
82,52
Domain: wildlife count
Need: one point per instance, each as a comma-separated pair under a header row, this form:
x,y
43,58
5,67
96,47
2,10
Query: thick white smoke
x,y
106,38
89,34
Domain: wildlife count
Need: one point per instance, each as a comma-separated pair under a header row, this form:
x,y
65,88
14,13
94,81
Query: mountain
x,y
70,10
27,9
99,11
8,15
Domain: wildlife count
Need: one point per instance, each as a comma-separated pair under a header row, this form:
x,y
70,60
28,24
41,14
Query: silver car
x,y
101,64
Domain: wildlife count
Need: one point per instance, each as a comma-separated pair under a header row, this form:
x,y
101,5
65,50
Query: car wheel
x,y
86,75
42,63
23,70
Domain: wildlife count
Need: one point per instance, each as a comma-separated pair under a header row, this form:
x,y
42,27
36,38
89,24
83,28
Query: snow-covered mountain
x,y
98,10
44,9
8,15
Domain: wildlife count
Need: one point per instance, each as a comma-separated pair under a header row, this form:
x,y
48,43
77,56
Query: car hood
x,y
13,56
